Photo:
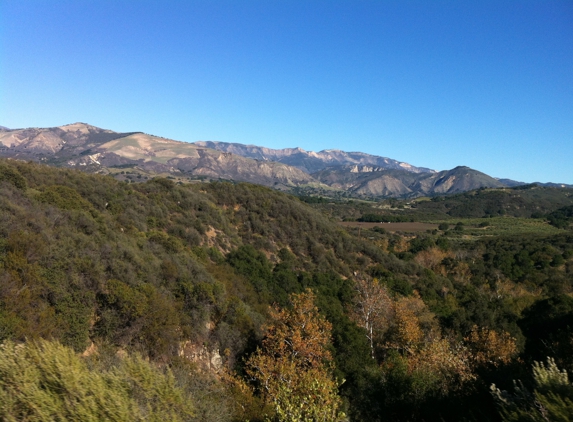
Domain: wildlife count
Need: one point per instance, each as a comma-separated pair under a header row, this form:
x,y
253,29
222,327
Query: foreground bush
x,y
551,399
45,381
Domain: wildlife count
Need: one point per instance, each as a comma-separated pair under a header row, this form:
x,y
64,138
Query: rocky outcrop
x,y
204,358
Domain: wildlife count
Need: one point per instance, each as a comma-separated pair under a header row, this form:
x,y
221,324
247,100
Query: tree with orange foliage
x,y
432,258
293,369
411,324
430,363
489,347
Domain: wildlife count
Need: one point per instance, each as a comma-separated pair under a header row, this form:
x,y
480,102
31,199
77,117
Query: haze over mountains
x,y
93,149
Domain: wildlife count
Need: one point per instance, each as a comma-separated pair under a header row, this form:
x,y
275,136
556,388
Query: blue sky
x,y
487,84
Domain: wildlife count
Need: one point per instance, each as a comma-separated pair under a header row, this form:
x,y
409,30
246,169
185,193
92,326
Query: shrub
x,y
551,399
47,381
12,176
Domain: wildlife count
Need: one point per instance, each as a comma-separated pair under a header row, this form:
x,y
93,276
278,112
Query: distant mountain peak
x,y
82,127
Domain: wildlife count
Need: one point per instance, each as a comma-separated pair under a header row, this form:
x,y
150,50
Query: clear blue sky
x,y
487,84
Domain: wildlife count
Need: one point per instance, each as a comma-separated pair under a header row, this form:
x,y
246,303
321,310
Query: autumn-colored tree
x,y
489,347
432,258
441,365
432,365
411,324
293,369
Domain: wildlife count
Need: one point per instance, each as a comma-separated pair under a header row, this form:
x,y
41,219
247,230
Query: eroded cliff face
x,y
217,164
384,186
48,143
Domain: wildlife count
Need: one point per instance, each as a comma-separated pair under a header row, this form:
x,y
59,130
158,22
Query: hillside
x,y
520,201
184,274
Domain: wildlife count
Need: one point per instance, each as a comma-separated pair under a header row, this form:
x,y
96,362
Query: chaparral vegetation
x,y
228,301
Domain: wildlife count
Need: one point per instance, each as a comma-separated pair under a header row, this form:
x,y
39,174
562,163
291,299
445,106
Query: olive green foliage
x,y
11,175
270,221
562,217
526,201
44,381
532,261
88,257
64,198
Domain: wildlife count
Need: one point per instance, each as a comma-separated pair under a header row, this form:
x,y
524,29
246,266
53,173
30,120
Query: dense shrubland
x,y
407,327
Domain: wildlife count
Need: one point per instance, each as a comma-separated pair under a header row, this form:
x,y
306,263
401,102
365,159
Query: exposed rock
x,y
206,360
90,350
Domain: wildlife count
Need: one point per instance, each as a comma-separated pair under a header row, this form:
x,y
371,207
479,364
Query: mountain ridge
x,y
327,172
87,147
311,161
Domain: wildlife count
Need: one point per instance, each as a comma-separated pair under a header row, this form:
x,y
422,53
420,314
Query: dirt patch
x,y
392,227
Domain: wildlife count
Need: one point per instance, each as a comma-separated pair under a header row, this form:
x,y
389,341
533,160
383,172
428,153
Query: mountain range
x,y
310,161
334,172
